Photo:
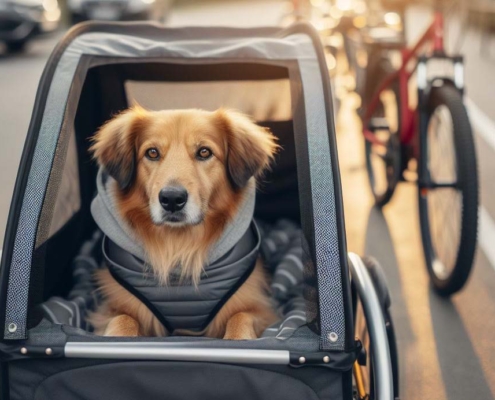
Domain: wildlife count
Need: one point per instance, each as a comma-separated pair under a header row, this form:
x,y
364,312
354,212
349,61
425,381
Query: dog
x,y
180,177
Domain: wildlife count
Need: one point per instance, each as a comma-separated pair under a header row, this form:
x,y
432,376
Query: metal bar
x,y
162,351
375,322
370,137
435,185
411,52
376,96
358,376
407,54
459,75
438,46
404,111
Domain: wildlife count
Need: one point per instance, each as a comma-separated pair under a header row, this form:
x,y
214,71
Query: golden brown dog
x,y
211,157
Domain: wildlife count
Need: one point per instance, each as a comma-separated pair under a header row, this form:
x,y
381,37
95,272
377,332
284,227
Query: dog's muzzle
x,y
175,208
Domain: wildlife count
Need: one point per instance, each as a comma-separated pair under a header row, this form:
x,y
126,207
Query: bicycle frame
x,y
408,117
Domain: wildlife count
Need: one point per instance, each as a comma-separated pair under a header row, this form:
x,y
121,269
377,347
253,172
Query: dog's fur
x,y
216,187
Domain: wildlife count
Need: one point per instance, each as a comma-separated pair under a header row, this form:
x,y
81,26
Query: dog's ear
x,y
250,147
114,145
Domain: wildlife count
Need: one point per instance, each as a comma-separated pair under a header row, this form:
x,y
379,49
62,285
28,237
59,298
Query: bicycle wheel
x,y
366,371
383,161
365,375
448,191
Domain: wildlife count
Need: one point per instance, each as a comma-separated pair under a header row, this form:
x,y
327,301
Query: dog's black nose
x,y
173,198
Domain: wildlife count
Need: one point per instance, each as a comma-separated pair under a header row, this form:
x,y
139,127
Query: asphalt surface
x,y
447,347
19,77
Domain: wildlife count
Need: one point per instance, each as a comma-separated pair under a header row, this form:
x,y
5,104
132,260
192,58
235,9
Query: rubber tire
x,y
394,358
467,177
381,286
380,69
17,46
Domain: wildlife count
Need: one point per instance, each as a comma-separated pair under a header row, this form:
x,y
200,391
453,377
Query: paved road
x,y
19,76
446,347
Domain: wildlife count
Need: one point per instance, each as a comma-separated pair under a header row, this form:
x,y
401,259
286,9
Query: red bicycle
x,y
433,138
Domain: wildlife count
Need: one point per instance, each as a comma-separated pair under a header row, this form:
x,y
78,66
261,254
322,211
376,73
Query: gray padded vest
x,y
186,306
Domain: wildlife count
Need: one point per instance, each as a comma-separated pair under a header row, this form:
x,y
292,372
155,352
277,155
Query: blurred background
x,y
446,346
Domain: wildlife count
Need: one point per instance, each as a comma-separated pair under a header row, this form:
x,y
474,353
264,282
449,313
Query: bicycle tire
x,y
369,370
448,283
393,164
380,283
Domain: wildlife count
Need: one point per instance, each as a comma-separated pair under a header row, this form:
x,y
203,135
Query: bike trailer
x,y
99,69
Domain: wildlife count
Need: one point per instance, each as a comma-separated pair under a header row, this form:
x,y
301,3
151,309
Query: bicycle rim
x,y
382,161
444,205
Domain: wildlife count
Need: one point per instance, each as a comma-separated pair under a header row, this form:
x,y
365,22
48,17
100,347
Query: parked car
x,y
22,19
117,10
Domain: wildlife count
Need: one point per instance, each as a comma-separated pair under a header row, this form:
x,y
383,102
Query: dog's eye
x,y
204,153
152,154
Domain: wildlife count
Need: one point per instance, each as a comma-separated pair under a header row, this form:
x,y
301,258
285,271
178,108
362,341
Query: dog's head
x,y
180,166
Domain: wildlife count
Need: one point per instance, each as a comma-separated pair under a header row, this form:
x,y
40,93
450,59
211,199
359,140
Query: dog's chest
x,y
180,304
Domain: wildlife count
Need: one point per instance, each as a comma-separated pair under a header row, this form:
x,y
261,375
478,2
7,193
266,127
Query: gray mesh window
x,y
68,200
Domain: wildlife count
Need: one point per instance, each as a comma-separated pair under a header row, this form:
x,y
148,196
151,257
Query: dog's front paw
x,y
240,327
122,325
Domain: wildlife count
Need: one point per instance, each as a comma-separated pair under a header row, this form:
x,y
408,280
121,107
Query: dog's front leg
x,y
122,325
241,327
